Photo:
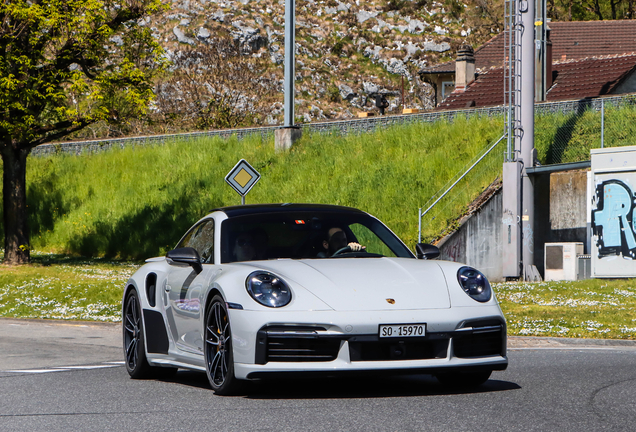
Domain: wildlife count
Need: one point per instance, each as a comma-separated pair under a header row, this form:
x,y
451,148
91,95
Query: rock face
x,y
346,51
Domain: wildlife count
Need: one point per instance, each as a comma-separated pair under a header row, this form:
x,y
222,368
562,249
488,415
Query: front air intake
x,y
480,339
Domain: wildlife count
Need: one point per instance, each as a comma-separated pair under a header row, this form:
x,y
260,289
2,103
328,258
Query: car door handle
x,y
168,288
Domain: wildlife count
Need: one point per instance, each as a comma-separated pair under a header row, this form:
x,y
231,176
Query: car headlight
x,y
268,289
474,283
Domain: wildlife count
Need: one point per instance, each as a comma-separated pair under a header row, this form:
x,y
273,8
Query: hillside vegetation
x,y
137,202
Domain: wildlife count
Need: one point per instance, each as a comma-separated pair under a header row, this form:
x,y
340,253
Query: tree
x,y
65,64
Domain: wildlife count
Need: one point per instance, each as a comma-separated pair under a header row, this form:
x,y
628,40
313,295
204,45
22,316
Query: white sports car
x,y
255,291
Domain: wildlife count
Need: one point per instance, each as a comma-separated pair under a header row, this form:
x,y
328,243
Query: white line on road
x,y
67,368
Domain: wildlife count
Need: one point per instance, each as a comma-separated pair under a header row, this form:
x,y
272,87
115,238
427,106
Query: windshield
x,y
307,235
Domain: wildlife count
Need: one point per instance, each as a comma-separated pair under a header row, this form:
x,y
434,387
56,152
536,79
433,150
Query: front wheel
x,y
134,343
133,327
219,360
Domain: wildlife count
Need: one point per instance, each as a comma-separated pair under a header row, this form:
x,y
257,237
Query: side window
x,y
367,238
201,237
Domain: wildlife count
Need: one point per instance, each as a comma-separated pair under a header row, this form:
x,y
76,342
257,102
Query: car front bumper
x,y
327,342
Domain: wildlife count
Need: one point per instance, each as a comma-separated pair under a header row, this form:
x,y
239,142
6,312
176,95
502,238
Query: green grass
x,y
136,202
595,308
59,287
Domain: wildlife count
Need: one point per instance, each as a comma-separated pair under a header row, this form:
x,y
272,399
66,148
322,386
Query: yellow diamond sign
x,y
242,177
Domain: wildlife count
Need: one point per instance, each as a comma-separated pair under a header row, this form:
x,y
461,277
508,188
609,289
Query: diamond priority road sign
x,y
242,177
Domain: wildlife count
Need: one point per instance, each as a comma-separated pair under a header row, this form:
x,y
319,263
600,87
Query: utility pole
x,y
286,136
518,189
290,60
526,139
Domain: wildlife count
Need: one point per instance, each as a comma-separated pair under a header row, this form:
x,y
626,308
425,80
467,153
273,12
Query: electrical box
x,y
561,261
585,267
511,220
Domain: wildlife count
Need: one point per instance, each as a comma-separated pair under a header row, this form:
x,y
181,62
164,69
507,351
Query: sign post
x,y
242,177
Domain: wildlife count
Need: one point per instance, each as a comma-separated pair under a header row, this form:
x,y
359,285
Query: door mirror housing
x,y
186,255
426,251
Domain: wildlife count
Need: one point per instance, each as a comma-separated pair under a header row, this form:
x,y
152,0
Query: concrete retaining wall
x,y
560,216
478,240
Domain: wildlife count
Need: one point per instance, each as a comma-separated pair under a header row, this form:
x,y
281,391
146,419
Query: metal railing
x,y
443,209
421,213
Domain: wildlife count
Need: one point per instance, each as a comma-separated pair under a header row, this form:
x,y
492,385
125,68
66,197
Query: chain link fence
x,y
566,131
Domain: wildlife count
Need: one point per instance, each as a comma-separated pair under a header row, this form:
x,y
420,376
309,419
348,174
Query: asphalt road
x,y
68,376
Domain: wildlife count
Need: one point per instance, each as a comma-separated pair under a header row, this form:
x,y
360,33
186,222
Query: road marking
x,y
106,365
88,367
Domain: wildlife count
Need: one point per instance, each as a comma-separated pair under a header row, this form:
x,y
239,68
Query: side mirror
x,y
186,255
426,251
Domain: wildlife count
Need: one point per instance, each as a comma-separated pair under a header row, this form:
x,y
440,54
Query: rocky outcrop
x,y
346,51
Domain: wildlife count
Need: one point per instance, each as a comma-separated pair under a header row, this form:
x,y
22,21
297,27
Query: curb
x,y
59,322
513,341
554,342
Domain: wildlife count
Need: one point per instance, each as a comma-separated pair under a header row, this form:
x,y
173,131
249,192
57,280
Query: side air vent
x,y
151,289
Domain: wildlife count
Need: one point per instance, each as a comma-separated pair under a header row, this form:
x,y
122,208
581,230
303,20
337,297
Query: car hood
x,y
357,284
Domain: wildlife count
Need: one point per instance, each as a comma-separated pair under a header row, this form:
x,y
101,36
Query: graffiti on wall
x,y
614,220
454,250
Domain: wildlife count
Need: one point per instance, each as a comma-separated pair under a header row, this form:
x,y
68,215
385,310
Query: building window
x,y
447,88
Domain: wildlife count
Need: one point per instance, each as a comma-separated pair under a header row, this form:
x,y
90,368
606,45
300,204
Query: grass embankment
x,y
136,202
78,289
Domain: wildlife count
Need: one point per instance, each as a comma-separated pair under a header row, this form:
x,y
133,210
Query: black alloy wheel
x,y
134,351
218,349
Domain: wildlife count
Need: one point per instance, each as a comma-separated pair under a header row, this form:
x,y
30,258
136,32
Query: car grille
x,y
295,344
482,341
416,349
307,344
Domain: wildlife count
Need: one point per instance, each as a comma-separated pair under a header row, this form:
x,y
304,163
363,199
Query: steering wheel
x,y
342,250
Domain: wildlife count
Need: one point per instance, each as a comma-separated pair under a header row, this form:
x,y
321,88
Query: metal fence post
x,y
419,230
602,122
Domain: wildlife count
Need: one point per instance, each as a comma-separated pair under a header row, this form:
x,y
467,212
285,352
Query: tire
x,y
135,359
219,360
133,333
463,379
